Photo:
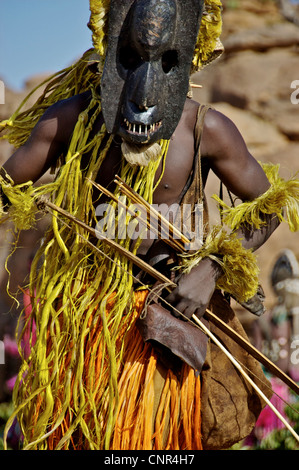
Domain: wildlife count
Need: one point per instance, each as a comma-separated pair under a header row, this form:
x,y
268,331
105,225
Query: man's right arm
x,y
48,140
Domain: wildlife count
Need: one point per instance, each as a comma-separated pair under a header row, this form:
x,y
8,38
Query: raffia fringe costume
x,y
90,381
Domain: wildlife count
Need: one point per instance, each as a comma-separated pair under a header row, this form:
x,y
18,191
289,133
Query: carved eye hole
x,y
170,60
129,58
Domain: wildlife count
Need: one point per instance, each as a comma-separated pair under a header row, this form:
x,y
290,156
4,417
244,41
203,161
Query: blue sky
x,y
40,36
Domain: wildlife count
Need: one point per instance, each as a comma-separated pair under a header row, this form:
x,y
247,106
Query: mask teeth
x,y
142,129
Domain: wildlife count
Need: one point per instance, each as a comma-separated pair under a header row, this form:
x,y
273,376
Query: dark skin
x,y
222,150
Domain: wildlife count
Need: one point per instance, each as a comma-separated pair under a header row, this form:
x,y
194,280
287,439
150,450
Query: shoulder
x,y
216,124
226,153
220,134
190,112
59,120
75,104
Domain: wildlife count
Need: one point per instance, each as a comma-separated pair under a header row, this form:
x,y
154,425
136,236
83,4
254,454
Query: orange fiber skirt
x,y
157,409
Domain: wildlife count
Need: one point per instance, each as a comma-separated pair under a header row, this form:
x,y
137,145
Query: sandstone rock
x,y
262,137
12,100
288,159
243,15
261,39
290,10
259,82
286,118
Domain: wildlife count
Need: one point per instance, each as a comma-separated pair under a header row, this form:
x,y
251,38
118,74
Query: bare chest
x,y
173,173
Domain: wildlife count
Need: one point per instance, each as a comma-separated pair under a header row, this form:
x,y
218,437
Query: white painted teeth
x,y
142,128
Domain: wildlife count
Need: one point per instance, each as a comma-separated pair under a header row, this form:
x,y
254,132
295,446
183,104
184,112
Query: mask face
x,y
146,74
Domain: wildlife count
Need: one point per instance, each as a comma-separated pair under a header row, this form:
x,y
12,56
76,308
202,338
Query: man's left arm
x,y
229,158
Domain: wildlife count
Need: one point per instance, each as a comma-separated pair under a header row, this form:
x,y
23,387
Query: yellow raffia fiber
x,y
66,268
98,23
62,85
206,49
240,277
73,289
281,199
239,265
22,209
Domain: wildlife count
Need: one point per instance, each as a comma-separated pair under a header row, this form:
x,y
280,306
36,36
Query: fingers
x,y
185,305
200,312
187,309
183,309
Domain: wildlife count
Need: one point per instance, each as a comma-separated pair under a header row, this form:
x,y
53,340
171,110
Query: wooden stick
x,y
170,241
252,350
212,317
162,223
135,259
124,187
135,196
234,335
245,375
